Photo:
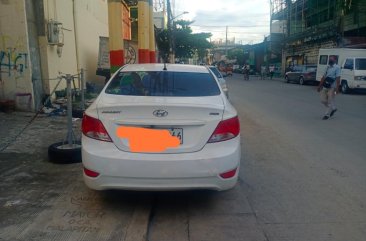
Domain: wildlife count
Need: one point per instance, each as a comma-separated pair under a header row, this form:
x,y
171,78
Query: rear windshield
x,y
216,72
163,83
361,64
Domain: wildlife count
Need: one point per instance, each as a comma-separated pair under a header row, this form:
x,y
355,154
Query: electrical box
x,y
53,32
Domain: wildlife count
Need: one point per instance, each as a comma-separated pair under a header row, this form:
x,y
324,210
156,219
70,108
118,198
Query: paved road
x,y
302,179
305,176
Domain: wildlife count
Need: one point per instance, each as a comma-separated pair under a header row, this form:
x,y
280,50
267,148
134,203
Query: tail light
x,y
93,128
228,174
90,173
226,130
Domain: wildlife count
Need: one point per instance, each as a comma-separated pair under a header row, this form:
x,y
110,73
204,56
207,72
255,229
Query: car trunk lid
x,y
191,119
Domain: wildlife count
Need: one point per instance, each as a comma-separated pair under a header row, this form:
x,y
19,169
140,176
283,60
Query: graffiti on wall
x,y
130,55
13,61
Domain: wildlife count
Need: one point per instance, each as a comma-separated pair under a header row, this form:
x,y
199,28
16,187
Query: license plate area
x,y
177,132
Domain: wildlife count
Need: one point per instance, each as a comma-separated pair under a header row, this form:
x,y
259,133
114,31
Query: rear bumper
x,y
361,85
138,171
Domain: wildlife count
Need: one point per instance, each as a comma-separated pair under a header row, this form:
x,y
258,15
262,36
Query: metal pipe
x,y
82,89
69,110
76,38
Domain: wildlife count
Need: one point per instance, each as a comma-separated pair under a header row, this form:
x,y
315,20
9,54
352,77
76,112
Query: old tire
x,y
77,113
61,153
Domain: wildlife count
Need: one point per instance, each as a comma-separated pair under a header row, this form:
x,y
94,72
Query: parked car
x,y
221,79
161,127
301,74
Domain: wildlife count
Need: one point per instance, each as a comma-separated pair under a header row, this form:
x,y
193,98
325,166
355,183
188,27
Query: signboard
x,y
103,56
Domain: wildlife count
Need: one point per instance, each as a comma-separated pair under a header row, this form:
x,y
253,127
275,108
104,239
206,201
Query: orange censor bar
x,y
148,140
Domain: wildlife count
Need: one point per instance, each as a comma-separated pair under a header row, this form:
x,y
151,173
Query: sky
x,y
247,20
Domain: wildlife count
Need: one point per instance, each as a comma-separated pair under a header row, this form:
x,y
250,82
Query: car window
x,y
361,64
222,81
163,83
348,64
311,68
323,59
216,72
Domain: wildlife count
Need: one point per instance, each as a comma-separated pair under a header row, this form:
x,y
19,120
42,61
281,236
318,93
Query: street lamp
x,y
185,12
172,39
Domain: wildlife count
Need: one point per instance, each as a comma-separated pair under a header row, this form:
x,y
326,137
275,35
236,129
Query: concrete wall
x,y
81,24
52,63
15,66
83,21
91,18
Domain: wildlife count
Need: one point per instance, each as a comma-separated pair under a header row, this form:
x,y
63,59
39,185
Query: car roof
x,y
169,67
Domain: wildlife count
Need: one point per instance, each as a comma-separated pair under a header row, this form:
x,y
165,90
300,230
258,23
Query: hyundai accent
x,y
161,127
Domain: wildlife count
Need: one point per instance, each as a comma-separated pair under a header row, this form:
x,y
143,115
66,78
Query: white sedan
x,y
221,79
161,127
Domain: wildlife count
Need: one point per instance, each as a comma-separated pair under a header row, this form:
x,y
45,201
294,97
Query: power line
x,y
243,32
219,26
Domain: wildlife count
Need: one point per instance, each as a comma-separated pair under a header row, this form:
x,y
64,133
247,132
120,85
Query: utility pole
x,y
226,41
170,28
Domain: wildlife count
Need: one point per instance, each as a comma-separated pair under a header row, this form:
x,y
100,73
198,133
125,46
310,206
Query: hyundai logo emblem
x,y
160,113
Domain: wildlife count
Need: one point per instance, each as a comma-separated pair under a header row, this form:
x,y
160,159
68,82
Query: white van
x,y
350,79
353,74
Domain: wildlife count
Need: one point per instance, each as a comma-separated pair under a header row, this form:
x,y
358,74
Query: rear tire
x,y
344,87
301,81
61,153
286,79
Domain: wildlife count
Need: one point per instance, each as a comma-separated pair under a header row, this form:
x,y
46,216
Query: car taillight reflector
x,y
90,173
94,128
228,174
226,130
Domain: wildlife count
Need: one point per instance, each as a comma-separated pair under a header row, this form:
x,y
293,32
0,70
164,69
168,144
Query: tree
x,y
162,41
185,43
188,43
237,54
201,44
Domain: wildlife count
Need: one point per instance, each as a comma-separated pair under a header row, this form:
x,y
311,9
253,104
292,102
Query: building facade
x,y
304,26
41,39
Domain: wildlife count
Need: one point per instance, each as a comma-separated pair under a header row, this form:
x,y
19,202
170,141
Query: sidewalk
x,y
43,201
20,133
